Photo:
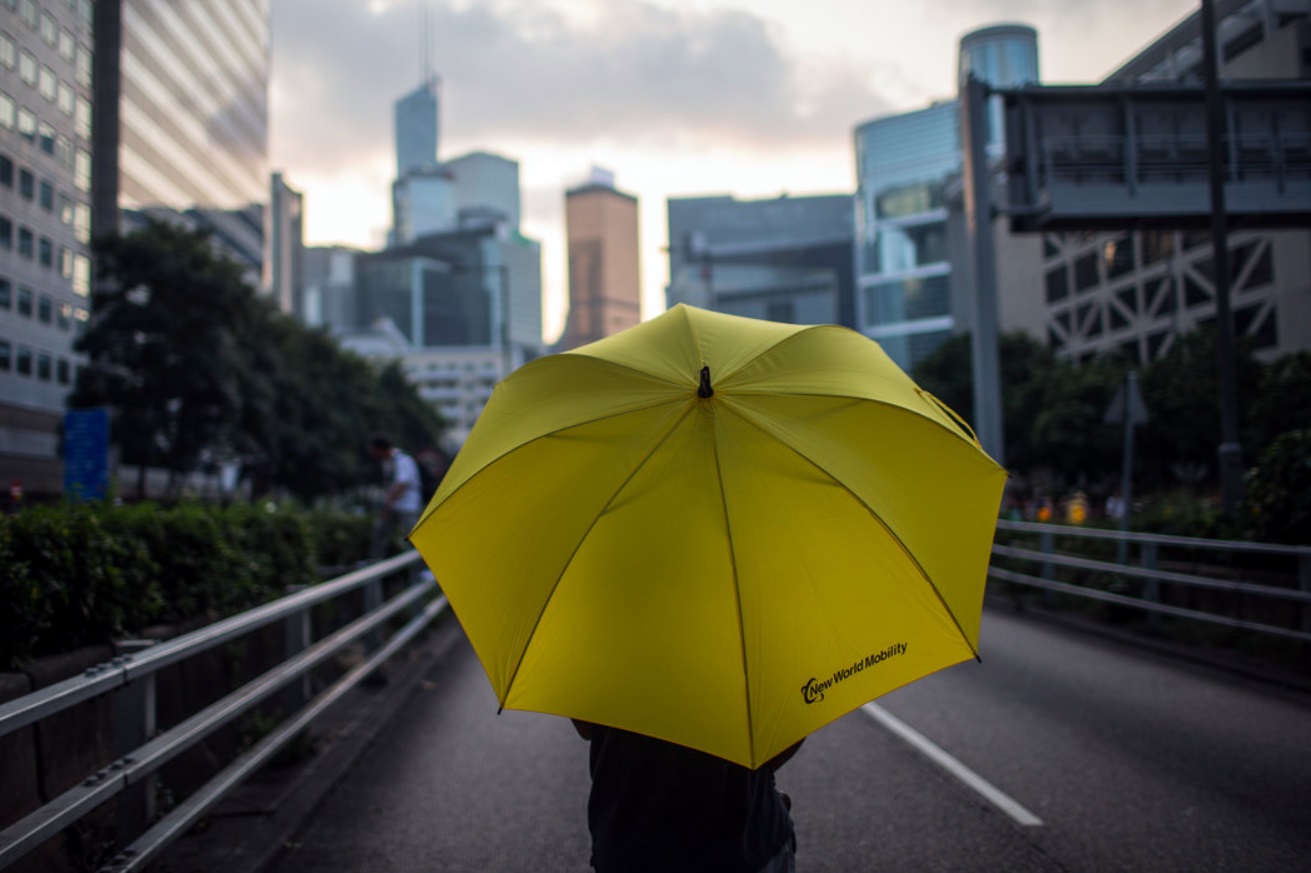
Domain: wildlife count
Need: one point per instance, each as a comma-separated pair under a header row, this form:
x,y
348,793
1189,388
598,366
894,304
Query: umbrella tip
x,y
704,389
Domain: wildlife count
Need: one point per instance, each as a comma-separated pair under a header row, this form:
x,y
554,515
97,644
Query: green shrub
x,y
1278,496
79,574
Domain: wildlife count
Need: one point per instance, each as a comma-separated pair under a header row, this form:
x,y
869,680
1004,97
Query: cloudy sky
x,y
753,98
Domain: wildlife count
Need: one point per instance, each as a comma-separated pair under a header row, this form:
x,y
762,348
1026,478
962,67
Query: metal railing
x,y
131,677
1151,579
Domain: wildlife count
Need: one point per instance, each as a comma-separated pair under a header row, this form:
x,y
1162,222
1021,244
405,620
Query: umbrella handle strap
x,y
969,431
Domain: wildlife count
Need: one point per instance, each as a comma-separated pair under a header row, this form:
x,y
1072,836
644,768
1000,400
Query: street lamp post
x,y
1230,451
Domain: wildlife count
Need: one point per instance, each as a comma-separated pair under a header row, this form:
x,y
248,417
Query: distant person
x,y
401,504
1076,508
1115,506
658,807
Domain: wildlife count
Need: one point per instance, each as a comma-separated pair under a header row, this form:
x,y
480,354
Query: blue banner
x,y
86,454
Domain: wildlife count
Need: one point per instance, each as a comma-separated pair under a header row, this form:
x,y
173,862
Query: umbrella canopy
x,y
714,530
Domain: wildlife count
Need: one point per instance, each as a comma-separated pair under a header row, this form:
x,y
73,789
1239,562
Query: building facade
x,y
486,186
605,293
908,296
783,259
182,113
417,117
1135,292
46,94
284,247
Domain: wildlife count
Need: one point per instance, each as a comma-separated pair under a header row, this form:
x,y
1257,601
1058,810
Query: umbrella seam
x,y
509,685
955,431
887,527
737,589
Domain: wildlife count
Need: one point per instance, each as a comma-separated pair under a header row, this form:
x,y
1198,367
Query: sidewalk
x,y
250,828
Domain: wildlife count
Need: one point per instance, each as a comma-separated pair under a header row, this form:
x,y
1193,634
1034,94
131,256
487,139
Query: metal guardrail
x,y
1151,577
132,678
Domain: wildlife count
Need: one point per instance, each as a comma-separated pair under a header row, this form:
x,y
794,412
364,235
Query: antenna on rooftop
x,y
427,73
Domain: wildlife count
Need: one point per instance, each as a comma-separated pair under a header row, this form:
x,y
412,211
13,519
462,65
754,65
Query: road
x,y
1092,757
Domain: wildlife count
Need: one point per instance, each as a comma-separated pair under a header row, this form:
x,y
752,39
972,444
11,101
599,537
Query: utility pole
x,y
1230,451
978,220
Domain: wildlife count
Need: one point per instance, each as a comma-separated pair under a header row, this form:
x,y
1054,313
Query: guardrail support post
x,y
372,600
1152,585
1047,543
1304,581
296,636
135,723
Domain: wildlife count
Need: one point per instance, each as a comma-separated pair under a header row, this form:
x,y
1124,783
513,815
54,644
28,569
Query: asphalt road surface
x,y
1059,752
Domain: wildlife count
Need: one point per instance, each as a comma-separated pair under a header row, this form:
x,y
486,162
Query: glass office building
x,y
45,227
417,119
905,165
182,97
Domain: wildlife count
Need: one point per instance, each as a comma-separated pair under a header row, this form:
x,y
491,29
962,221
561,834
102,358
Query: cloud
x,y
519,71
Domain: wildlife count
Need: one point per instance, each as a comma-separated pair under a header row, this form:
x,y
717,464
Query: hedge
x,y
75,575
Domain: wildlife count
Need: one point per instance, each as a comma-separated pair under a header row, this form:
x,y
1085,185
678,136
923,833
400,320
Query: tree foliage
x,y
199,369
1054,409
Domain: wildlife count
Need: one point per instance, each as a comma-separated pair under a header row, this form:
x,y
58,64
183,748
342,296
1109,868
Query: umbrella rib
x,y
509,686
892,533
473,474
737,598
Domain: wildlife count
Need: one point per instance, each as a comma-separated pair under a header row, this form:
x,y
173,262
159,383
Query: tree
x,y
162,345
200,370
1182,391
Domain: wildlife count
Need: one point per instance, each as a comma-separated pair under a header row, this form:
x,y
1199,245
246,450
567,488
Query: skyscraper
x,y
182,116
904,166
284,249
417,124
45,228
605,294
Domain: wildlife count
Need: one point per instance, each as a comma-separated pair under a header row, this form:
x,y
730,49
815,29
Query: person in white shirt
x,y
402,502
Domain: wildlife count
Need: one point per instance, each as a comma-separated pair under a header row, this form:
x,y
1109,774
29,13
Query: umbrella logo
x,y
813,690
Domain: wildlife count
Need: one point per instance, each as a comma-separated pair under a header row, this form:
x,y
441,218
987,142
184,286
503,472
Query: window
x,y
82,223
23,361
7,110
43,367
81,276
24,301
49,28
83,118
5,353
27,125
6,172
65,209
64,151
67,99
84,66
45,309
1058,284
6,233
64,317
65,262
6,294
27,11
67,46
26,243
82,170
26,184
47,138
45,252
8,52
27,66
1085,272
62,371
46,195
48,83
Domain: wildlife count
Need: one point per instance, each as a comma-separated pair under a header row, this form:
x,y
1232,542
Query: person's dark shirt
x,y
656,806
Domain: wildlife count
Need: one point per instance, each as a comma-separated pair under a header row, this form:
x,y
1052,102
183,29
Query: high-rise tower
x,y
604,280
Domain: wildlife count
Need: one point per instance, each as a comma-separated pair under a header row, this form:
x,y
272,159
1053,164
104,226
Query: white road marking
x,y
973,780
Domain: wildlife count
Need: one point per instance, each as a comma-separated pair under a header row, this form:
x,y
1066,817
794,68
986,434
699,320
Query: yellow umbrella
x,y
718,531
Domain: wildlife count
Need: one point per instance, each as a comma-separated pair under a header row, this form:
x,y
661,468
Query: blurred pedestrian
x,y
401,502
